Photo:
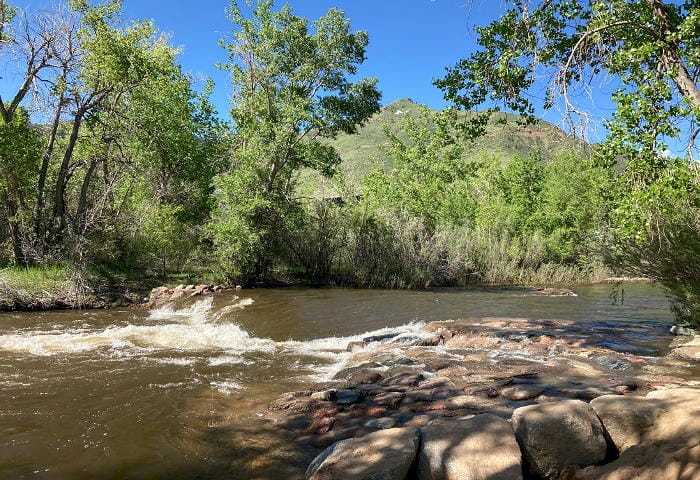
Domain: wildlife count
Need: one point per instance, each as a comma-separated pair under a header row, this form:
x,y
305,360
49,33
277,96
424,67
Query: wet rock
x,y
555,292
482,447
178,294
521,392
437,364
381,338
614,363
326,412
417,421
159,292
624,386
478,342
437,382
420,341
381,423
389,399
355,346
324,395
366,376
472,402
554,436
689,351
429,407
382,455
347,397
358,411
628,348
677,330
295,402
403,380
588,392
320,425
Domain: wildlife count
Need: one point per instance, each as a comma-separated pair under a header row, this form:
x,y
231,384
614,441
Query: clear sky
x,y
411,41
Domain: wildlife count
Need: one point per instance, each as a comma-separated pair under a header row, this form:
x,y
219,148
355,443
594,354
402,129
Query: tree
x,y
291,91
122,130
647,50
430,174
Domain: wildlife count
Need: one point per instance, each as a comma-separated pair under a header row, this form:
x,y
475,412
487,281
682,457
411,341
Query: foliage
x,y
429,172
647,50
291,89
125,136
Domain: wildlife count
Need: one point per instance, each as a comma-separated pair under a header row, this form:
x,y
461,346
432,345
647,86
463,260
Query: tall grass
x,y
399,251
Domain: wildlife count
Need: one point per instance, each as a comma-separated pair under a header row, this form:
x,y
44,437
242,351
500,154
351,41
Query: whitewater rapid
x,y
186,335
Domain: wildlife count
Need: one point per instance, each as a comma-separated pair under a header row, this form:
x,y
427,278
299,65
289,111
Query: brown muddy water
x,y
182,393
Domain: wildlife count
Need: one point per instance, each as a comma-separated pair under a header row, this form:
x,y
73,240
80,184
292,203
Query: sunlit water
x,y
181,393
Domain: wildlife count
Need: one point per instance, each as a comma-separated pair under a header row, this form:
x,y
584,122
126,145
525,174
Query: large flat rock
x,y
382,455
478,448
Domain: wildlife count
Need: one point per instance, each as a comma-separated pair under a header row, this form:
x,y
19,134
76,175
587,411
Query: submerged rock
x,y
382,455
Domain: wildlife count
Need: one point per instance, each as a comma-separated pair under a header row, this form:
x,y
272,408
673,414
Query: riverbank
x,y
510,373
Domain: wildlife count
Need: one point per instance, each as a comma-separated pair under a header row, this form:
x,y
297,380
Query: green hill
x,y
362,152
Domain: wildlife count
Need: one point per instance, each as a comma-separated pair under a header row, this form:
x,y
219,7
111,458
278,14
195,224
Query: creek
x,y
181,393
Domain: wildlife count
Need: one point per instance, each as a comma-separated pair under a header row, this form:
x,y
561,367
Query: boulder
x,y
383,455
665,442
555,436
477,448
626,419
347,397
521,392
365,376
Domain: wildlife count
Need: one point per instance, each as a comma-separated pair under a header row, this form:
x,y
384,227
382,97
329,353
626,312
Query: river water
x,y
181,393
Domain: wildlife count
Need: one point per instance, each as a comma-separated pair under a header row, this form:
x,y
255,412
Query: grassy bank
x,y
43,287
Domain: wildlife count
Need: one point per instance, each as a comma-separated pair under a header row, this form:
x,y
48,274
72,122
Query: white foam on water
x,y
197,329
197,312
176,361
228,360
139,339
226,386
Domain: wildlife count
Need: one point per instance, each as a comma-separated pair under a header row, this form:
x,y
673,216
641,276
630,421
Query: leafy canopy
x,y
292,89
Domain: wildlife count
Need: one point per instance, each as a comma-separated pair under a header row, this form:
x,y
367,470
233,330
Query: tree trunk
x,y
59,211
671,59
79,223
39,214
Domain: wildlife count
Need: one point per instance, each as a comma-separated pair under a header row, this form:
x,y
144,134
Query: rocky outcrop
x,y
478,448
382,455
534,373
555,437
159,296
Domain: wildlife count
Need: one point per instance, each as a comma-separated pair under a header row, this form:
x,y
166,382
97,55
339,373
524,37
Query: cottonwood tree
x,y
553,53
291,90
122,128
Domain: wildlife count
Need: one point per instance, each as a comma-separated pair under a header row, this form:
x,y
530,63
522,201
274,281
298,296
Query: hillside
x,y
362,152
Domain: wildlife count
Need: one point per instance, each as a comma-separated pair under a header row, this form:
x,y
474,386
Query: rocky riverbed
x,y
505,398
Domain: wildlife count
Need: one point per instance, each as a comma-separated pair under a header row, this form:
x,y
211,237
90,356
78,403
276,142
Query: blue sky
x,y
411,41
